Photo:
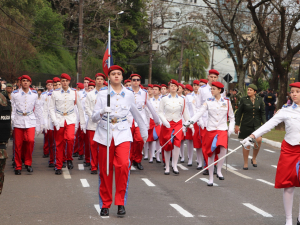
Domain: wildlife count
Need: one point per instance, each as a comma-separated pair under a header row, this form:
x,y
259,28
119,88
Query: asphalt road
x,y
244,197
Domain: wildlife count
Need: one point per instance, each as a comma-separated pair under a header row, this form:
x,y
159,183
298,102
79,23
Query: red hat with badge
x,y
296,84
92,84
19,78
126,81
150,85
189,87
65,76
173,82
163,85
181,85
115,67
196,82
217,84
204,81
56,79
49,81
213,71
135,75
100,75
105,83
156,85
26,77
87,78
80,85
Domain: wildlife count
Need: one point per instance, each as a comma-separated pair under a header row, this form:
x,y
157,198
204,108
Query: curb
x,y
273,143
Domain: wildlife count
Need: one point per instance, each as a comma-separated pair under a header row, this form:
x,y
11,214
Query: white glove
x,y
145,139
166,123
192,128
187,123
76,128
84,130
56,124
105,110
83,127
201,124
38,132
184,130
247,142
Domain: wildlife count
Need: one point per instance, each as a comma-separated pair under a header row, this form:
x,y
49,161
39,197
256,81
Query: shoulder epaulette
x,y
203,86
58,89
104,88
44,92
182,96
74,89
129,89
50,93
145,90
285,106
226,98
16,91
34,91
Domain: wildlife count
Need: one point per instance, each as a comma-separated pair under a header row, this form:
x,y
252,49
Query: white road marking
x,y
80,167
66,173
230,149
268,150
266,182
195,149
206,180
259,211
274,166
229,167
250,157
132,168
234,139
181,210
84,183
97,207
237,173
148,182
182,167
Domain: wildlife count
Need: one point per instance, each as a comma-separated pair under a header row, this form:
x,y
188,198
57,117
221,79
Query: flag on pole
x,y
107,58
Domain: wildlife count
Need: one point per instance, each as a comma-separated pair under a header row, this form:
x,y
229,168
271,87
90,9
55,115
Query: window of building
x,y
195,1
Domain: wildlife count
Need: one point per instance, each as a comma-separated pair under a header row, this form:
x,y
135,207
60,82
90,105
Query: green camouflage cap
x,y
253,86
8,85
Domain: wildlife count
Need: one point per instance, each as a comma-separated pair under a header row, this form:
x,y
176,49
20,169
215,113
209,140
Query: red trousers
x,y
49,145
64,136
137,144
94,149
119,158
79,143
22,135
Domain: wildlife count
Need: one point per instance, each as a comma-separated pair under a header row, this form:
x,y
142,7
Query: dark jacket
x,y
250,115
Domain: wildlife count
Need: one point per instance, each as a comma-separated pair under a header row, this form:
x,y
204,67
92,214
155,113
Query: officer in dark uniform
x,y
235,100
5,124
270,100
249,117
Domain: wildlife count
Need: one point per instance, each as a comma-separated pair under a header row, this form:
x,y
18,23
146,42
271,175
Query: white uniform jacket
x,y
26,109
47,99
290,115
90,102
217,114
63,106
121,104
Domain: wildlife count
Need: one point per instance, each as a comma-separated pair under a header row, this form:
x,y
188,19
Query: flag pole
x,y
108,104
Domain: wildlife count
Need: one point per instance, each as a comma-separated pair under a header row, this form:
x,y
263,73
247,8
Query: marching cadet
x,y
151,123
171,110
287,174
27,119
48,136
202,95
216,137
91,86
122,101
78,147
235,100
127,83
270,100
56,83
62,112
203,82
163,91
86,82
141,101
91,126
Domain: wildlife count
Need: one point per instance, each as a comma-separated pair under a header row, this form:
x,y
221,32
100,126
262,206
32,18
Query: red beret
x,y
26,77
92,84
56,79
173,82
19,78
141,86
196,82
65,76
189,87
80,85
146,88
87,78
115,67
213,71
156,85
217,84
181,85
150,85
93,81
135,75
105,83
163,85
49,81
296,84
100,75
203,81
126,81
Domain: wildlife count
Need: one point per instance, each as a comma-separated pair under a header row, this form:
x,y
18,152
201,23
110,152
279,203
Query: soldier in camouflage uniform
x,y
5,124
235,100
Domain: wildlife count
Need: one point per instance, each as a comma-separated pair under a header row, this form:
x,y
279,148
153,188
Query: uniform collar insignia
x,y
123,94
222,100
294,106
176,95
23,93
139,93
112,93
96,92
62,91
170,96
29,92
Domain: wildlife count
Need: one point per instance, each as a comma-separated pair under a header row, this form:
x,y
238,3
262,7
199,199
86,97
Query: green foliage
x,y
263,84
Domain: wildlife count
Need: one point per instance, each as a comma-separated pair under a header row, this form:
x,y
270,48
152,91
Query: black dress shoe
x,y
13,164
176,172
58,172
94,172
206,172
17,172
145,158
64,165
139,166
199,168
86,164
298,222
121,210
45,156
150,161
189,164
220,178
70,164
80,157
104,212
154,157
158,161
254,165
215,170
75,154
181,161
51,165
167,173
134,163
210,185
245,168
29,168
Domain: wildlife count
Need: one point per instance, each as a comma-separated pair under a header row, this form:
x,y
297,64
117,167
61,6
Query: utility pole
x,y
150,50
180,64
80,42
212,57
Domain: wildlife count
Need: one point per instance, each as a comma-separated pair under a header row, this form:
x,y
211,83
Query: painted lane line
x,y
97,207
266,182
268,150
66,173
181,210
230,149
259,211
206,180
195,149
236,173
80,167
84,183
229,167
132,168
182,167
234,139
148,182
250,157
274,166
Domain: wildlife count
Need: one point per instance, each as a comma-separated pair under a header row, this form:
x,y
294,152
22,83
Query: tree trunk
x,y
282,95
241,79
274,81
180,65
